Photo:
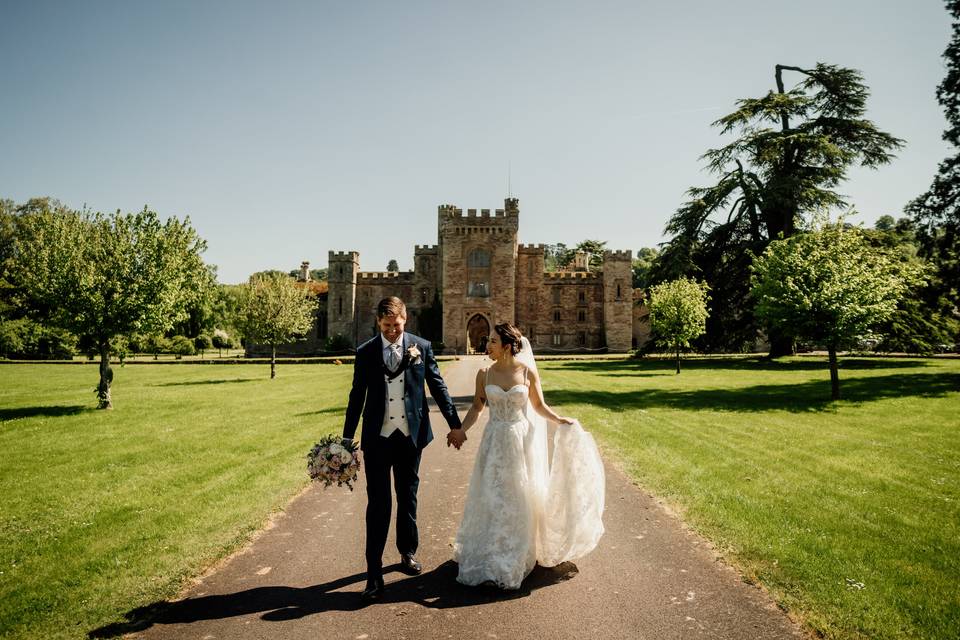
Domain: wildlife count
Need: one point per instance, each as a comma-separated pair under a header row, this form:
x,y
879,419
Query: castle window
x,y
478,290
339,306
581,316
478,258
556,315
583,296
582,338
340,269
556,340
532,335
619,296
556,295
530,268
533,305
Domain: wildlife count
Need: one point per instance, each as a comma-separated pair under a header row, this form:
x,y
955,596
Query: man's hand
x,y
346,442
456,437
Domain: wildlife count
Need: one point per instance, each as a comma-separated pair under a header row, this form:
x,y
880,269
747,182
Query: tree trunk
x,y
273,362
780,345
834,373
106,378
678,359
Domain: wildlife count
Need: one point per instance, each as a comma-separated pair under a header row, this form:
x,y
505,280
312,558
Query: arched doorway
x,y
478,329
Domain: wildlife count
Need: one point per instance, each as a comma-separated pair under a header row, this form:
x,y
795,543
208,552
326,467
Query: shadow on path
x,y
808,396
461,402
437,589
54,411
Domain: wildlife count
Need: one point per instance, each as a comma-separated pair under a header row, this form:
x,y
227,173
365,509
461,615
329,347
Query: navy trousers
x,y
399,454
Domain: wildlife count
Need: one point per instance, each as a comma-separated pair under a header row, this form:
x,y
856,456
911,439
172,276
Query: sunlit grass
x,y
848,512
103,511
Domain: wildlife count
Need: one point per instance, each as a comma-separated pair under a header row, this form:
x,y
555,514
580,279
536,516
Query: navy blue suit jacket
x,y
369,392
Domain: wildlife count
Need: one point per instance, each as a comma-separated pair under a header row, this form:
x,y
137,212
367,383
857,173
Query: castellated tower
x,y
343,267
618,300
478,257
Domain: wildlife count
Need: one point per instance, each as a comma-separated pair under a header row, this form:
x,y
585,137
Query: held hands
x,y
456,437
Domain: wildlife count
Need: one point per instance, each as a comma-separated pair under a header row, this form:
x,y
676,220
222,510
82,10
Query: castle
x,y
476,276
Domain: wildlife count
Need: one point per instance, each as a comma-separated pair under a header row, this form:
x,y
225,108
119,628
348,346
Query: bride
x,y
521,509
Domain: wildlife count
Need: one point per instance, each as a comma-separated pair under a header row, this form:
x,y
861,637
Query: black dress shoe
x,y
409,565
373,591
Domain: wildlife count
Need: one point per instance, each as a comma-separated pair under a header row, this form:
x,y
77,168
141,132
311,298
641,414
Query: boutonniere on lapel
x,y
413,354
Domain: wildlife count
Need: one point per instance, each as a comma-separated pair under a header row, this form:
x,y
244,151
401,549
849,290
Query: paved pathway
x,y
648,578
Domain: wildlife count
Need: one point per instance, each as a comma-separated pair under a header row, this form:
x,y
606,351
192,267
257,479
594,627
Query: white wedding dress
x,y
521,508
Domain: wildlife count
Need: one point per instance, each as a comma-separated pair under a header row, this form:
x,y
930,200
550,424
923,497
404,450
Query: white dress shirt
x,y
395,410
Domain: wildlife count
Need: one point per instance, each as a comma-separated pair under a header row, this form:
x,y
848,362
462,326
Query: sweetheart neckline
x,y
496,386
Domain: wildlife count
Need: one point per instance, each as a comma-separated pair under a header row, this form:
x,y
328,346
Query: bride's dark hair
x,y
510,336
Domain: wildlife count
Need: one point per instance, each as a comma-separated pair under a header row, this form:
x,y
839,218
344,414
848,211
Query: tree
x,y
556,256
202,342
275,311
831,286
182,346
921,323
108,276
678,312
393,266
793,148
937,211
221,340
642,265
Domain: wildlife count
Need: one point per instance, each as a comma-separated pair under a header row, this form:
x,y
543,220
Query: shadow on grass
x,y
196,382
649,367
437,589
47,412
808,396
324,412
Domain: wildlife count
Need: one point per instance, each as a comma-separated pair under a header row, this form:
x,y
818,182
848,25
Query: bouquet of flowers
x,y
329,461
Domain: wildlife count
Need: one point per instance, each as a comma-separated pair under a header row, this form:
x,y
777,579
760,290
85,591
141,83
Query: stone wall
x,y
482,277
641,319
478,256
618,300
343,268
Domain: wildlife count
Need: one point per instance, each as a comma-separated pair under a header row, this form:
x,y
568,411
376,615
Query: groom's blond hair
x,y
392,306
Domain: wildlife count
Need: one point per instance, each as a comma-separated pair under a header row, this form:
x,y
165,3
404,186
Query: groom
x,y
388,377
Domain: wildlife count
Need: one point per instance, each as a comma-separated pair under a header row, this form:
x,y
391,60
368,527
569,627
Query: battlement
x,y
454,212
618,255
552,276
343,255
385,275
425,248
531,248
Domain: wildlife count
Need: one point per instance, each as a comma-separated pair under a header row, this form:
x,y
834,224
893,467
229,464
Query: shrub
x,y
202,343
182,346
338,342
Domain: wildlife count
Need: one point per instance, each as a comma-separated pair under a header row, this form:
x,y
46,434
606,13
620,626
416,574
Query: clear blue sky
x,y
285,129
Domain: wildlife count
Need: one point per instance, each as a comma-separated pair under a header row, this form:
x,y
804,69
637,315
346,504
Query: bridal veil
x,y
569,487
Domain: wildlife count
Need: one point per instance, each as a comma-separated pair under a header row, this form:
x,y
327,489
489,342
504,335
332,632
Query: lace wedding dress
x,y
521,508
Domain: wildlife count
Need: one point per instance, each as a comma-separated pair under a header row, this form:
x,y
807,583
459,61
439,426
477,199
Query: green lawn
x,y
103,511
847,512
